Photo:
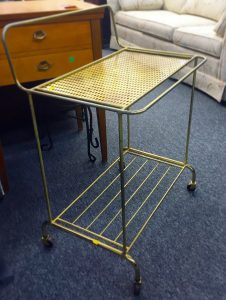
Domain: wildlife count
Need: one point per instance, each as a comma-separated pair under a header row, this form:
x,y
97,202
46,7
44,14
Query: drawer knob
x,y
44,66
39,35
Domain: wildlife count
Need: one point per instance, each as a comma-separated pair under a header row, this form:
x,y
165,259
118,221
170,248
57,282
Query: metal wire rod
x,y
117,194
104,190
88,188
131,197
157,206
146,199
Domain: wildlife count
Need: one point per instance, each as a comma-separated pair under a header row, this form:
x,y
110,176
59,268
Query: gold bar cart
x,y
116,83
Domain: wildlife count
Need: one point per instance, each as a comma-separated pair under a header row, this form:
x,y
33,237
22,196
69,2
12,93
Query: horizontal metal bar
x,y
90,232
161,52
93,241
155,157
78,101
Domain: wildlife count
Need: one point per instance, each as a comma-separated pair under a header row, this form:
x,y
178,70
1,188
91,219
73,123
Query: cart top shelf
x,y
118,80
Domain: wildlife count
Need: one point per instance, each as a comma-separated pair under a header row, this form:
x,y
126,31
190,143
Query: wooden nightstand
x,y
49,49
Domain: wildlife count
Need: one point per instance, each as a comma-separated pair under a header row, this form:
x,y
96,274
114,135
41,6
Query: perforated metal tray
x,y
118,80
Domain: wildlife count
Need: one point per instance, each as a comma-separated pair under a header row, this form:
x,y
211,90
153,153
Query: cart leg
x,y
192,183
128,131
122,181
45,236
46,240
137,279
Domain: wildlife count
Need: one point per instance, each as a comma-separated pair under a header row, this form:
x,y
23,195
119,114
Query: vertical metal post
x,y
44,181
121,168
190,113
128,131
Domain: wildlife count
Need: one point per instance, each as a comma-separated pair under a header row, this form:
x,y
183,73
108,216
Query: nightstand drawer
x,y
39,38
40,67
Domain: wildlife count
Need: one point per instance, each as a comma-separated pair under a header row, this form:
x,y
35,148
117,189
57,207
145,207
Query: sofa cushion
x,y
199,38
159,23
174,5
140,4
205,8
221,25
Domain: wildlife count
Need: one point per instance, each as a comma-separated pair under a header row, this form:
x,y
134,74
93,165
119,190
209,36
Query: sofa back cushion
x,y
174,5
114,5
140,4
211,9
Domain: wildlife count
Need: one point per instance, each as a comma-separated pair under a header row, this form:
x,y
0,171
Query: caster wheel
x,y
47,241
191,186
136,288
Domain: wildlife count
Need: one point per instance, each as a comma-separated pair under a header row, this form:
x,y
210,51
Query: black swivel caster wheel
x,y
136,288
47,242
191,186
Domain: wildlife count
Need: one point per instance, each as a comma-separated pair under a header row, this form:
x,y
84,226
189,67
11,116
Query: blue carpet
x,y
181,253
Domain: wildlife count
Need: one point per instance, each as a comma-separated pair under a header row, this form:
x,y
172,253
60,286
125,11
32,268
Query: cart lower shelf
x,y
96,214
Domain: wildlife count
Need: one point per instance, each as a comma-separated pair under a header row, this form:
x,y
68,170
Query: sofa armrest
x,y
222,69
114,5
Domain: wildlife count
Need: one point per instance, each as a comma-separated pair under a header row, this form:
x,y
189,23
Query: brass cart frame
x,y
153,68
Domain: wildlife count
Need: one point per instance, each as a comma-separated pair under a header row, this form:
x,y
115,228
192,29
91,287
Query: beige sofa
x,y
188,26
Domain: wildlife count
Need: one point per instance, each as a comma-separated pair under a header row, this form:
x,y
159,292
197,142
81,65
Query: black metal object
x,y
89,131
2,192
88,118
